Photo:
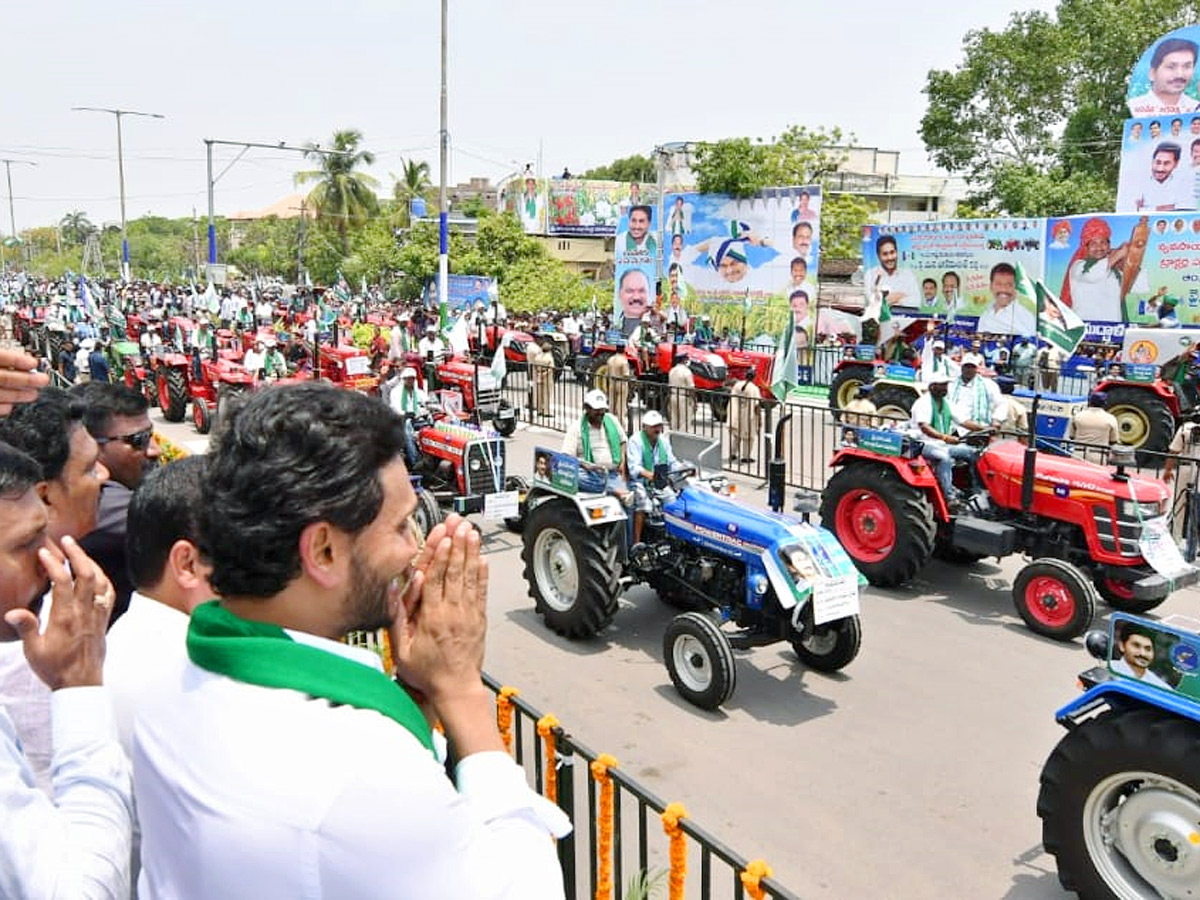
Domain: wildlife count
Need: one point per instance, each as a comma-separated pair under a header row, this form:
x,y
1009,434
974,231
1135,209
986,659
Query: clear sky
x,y
586,81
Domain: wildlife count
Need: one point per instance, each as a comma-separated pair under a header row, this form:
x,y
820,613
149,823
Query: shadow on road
x,y
1039,881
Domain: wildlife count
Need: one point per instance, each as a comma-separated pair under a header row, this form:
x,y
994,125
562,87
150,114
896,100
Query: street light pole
x,y
120,170
8,164
444,142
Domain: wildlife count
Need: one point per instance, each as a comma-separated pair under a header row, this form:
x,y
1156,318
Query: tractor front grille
x,y
484,463
487,398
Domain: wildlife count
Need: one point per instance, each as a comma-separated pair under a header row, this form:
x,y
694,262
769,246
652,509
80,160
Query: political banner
x,y
1118,269
593,208
961,270
744,260
1160,164
464,291
1163,82
526,197
635,260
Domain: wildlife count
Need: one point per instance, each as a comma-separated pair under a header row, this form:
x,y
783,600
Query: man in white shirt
x,y
978,403
599,441
1172,67
73,841
936,362
1006,315
1137,654
255,357
431,346
934,417
1166,186
409,401
903,293
324,775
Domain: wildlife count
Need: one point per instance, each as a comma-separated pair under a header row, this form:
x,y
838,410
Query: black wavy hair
x,y
164,509
42,428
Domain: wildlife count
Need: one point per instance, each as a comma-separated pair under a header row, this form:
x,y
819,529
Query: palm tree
x,y
341,193
413,182
76,227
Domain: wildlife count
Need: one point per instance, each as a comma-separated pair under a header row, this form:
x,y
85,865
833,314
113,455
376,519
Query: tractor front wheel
x,y
885,524
521,486
1120,803
1119,595
699,660
172,393
1144,422
428,513
1054,598
718,402
505,425
201,417
829,647
571,570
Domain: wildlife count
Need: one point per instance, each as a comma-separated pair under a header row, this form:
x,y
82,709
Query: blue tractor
x,y
741,577
1120,794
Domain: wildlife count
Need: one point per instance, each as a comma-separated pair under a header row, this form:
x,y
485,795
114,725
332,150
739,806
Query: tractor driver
x,y
599,441
409,401
978,403
934,416
647,450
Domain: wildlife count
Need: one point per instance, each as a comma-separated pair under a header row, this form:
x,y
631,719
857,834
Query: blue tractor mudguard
x,y
778,552
1127,691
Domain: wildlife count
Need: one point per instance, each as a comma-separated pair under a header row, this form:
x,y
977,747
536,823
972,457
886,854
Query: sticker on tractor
x,y
1141,371
886,443
1155,655
835,598
501,505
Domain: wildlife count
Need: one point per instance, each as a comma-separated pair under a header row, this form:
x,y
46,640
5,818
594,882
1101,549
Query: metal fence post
x,y
565,764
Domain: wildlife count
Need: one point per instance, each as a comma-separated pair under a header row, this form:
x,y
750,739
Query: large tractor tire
x,y
172,393
1119,595
699,660
559,352
201,417
571,570
846,383
1054,598
1144,420
894,402
1120,803
428,513
886,525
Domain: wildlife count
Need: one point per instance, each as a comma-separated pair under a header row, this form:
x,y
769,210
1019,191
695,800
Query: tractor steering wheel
x,y
677,477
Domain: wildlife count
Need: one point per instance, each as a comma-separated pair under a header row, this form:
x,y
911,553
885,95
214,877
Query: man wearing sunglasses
x,y
119,420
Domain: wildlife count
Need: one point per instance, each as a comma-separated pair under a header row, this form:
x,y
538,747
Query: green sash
x,y
408,400
657,453
262,654
980,406
610,432
941,416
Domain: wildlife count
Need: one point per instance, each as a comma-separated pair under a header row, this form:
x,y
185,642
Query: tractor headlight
x,y
475,465
1148,509
759,584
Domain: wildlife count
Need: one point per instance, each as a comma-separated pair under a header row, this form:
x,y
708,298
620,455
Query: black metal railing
x,y
638,840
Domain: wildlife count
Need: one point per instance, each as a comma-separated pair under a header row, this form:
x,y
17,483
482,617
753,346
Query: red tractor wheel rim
x,y
164,394
1121,589
865,526
196,417
1049,601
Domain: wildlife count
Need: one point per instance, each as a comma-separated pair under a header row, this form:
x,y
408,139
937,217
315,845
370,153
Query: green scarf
x,y
408,399
980,406
941,415
610,432
657,453
262,654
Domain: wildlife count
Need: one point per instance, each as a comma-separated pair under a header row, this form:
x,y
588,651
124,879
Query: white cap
x,y
595,399
432,328
87,344
408,372
652,418
938,378
939,343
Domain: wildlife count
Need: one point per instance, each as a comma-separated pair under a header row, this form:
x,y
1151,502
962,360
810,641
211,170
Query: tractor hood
x,y
1065,476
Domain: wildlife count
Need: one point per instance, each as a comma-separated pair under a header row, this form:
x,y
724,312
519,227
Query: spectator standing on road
x,y
1181,468
619,373
683,394
745,419
1096,428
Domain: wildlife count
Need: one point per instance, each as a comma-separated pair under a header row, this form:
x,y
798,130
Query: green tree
x,y
743,166
1032,114
413,182
341,192
76,227
627,168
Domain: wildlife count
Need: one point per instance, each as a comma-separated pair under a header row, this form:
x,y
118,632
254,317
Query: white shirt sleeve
x,y
489,840
76,846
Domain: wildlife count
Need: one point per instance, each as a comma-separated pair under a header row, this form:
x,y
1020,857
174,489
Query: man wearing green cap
x,y
1166,312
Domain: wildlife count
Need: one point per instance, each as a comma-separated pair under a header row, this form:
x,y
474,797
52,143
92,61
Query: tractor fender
x,y
916,472
594,509
1127,690
1158,388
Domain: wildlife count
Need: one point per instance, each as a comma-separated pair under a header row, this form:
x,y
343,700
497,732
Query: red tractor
x,y
347,367
221,379
514,350
708,370
738,362
460,463
1084,526
479,390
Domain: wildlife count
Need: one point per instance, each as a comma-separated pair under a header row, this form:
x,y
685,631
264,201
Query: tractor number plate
x,y
835,598
501,505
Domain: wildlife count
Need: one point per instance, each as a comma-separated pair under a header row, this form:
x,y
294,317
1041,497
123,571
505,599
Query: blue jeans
x,y
410,442
941,457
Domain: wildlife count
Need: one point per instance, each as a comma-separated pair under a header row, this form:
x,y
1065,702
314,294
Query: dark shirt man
x,y
98,366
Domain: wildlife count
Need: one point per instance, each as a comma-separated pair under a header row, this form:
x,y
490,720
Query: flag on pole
x,y
1057,323
785,374
85,298
341,290
499,363
456,336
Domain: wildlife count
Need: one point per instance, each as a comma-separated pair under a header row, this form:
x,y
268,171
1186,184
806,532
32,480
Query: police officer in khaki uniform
x,y
683,394
1096,426
1186,446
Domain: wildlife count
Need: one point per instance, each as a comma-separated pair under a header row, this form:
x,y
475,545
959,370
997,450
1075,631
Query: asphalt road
x,y
912,774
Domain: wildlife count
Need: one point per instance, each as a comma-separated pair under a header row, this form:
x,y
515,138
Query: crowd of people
x,y
153,737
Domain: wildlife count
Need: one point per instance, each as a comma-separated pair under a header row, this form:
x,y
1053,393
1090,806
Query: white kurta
x,y
252,792
1012,319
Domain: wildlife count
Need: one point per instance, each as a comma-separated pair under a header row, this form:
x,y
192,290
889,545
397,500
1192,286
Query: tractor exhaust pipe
x,y
777,469
1027,472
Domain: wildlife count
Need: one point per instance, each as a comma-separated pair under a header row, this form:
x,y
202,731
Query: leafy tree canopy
x,y
628,168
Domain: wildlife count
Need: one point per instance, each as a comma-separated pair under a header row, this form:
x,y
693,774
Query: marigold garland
x,y
670,819
756,870
604,823
385,651
504,715
545,729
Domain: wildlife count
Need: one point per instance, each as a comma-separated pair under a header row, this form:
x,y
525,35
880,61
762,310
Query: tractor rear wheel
x,y
894,401
560,360
428,513
597,376
699,660
1055,599
885,525
1144,420
1119,595
201,417
571,569
846,383
718,402
172,393
1119,803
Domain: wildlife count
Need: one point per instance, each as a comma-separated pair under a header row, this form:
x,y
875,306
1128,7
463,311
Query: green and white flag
x,y
785,375
499,363
1057,323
